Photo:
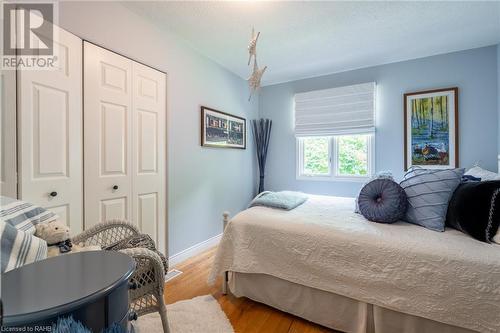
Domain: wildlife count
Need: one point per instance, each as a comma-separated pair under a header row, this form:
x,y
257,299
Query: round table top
x,y
60,284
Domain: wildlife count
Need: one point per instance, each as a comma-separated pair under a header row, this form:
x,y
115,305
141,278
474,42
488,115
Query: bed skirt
x,y
331,310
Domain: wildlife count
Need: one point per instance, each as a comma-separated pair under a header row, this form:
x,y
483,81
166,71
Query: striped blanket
x,y
18,245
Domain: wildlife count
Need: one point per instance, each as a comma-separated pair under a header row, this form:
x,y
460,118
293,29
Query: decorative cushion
x,y
286,200
18,244
19,248
483,174
496,238
475,209
382,200
429,192
24,215
378,175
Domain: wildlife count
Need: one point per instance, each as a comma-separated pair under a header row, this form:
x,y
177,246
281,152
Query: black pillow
x,y
383,201
475,209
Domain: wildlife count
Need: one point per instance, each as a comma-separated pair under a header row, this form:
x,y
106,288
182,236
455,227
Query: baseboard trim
x,y
193,250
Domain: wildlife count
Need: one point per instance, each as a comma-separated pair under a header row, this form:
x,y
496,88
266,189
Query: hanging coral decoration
x,y
256,76
252,46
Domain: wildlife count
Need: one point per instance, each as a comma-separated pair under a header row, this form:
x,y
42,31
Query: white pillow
x,y
496,239
485,175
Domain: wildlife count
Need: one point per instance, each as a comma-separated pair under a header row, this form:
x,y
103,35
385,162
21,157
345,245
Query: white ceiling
x,y
306,39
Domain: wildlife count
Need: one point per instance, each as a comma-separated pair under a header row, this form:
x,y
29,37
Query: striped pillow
x,y
18,245
429,193
23,215
18,248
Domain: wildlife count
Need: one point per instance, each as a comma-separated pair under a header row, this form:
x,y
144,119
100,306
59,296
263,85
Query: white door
x,y
8,154
149,151
107,135
124,140
50,133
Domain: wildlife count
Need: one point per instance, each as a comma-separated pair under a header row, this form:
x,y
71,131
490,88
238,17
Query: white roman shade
x,y
342,110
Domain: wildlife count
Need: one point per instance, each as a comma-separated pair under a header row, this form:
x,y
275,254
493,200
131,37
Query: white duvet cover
x,y
444,276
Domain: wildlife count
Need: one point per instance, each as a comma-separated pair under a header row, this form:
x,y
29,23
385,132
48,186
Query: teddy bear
x,y
56,234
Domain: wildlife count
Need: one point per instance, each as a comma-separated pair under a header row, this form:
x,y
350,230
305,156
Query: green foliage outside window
x,y
353,155
316,159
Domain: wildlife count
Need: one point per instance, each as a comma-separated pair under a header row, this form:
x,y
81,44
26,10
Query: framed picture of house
x,y
431,129
222,130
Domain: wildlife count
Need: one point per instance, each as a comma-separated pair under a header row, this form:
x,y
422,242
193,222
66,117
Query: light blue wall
x,y
474,72
202,182
498,95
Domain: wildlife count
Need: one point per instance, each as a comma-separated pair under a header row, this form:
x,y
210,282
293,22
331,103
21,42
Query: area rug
x,y
198,315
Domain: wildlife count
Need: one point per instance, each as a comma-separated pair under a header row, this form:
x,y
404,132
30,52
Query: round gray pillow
x,y
383,200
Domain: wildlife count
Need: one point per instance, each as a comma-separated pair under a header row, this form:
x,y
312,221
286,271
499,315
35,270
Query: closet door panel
x,y
147,146
50,134
62,210
149,140
115,208
108,151
8,163
113,159
147,213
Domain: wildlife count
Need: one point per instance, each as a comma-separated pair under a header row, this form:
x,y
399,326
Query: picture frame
x,y
222,130
431,129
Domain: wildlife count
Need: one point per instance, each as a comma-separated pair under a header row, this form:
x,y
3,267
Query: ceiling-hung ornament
x,y
254,79
256,76
252,46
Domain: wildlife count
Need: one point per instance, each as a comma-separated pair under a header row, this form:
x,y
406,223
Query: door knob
x,y
115,187
53,194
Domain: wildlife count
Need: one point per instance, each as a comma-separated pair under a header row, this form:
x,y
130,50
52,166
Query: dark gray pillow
x,y
378,175
429,193
382,200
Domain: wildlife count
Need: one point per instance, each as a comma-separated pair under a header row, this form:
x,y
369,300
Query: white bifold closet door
x,y
107,136
50,133
8,154
124,140
149,151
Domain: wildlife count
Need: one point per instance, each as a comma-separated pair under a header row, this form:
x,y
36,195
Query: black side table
x,y
90,286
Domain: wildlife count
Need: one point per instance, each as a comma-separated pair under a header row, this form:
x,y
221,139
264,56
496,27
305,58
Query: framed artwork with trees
x,y
431,129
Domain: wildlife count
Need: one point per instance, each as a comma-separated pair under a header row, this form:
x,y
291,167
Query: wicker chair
x,y
148,278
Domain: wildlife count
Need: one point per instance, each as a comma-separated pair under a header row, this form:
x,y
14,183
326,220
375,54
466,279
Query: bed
x,y
326,264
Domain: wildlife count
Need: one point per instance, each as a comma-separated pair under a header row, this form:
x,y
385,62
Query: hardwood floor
x,y
245,315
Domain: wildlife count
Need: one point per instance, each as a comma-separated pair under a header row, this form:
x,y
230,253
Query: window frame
x,y
300,159
333,149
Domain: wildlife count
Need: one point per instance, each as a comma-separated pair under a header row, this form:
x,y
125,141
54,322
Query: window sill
x,y
355,179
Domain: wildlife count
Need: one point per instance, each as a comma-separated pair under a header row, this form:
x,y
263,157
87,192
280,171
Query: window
x,y
342,157
335,131
316,156
352,155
